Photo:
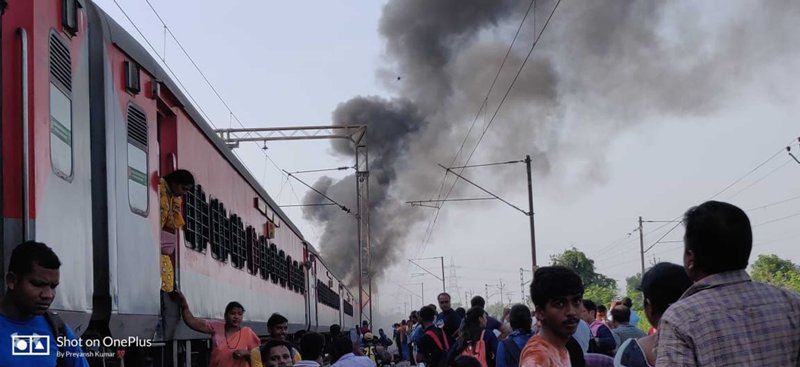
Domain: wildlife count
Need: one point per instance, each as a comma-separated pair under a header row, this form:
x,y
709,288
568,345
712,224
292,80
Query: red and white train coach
x,y
90,121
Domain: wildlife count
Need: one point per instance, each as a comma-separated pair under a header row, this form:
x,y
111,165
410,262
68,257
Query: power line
x,y
760,179
777,220
747,174
774,204
500,105
432,223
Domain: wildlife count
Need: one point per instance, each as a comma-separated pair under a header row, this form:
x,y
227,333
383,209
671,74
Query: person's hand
x,y
241,354
178,295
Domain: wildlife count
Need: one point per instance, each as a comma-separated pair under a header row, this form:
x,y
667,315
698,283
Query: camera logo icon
x,y
30,345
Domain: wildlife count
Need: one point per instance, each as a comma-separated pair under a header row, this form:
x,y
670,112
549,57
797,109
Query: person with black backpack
x,y
508,350
434,344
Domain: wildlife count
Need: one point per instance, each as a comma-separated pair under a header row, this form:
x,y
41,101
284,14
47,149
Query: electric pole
x,y
501,290
487,292
530,211
641,243
521,286
443,285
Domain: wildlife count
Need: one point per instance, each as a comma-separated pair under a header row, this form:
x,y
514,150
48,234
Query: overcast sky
x,y
621,147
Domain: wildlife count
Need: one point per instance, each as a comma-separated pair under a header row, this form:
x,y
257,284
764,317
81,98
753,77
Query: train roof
x,y
122,39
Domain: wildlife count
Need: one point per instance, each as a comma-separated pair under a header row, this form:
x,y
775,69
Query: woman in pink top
x,y
231,342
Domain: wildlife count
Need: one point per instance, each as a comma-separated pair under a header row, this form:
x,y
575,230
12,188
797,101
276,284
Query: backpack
x,y
442,344
512,352
59,330
369,351
477,350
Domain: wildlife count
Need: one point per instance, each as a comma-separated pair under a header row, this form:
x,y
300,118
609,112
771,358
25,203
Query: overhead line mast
x,y
357,134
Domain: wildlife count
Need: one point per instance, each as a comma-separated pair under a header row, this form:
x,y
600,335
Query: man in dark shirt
x,y
447,320
492,323
433,344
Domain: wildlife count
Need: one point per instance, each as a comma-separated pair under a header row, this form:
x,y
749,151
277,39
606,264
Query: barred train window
x,y
60,108
137,160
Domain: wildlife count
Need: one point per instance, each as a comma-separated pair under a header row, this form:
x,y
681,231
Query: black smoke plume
x,y
600,68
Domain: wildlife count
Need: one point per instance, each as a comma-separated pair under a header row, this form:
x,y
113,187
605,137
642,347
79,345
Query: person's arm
x,y
674,347
255,357
195,324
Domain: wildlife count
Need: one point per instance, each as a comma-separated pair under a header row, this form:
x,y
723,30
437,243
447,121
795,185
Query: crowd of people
x,y
707,312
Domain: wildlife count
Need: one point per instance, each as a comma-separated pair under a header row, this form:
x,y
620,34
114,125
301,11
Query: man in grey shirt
x,y
622,327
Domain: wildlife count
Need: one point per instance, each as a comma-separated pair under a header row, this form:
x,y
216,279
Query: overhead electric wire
x,y
760,179
502,101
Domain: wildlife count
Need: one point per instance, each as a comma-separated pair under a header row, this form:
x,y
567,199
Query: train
x,y
90,122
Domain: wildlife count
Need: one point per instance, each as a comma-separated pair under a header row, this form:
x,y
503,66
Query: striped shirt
x,y
726,319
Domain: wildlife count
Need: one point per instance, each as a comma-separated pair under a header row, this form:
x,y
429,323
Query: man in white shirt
x,y
312,345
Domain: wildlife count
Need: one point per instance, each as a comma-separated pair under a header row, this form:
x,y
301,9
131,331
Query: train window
x,y
263,263
238,250
348,308
281,265
137,160
60,108
251,240
289,273
196,210
218,221
273,262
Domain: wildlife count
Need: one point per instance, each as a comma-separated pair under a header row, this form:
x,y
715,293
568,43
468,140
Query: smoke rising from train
x,y
600,69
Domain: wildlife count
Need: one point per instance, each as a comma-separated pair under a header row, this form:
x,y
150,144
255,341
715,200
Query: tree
x,y
632,291
577,261
771,269
600,295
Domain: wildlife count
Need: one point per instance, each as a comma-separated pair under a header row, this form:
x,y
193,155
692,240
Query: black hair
x,y
427,314
311,346
28,253
462,313
621,314
442,294
552,282
466,361
272,343
719,235
520,317
275,320
663,285
627,302
477,301
341,346
233,304
470,331
589,305
180,177
601,308
365,322
335,330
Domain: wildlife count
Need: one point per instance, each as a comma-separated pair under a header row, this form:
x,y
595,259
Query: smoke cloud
x,y
600,69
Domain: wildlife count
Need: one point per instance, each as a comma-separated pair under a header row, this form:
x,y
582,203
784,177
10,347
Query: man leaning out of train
x,y
38,338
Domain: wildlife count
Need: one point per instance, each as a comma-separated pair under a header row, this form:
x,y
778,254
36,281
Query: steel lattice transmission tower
x,y
356,134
